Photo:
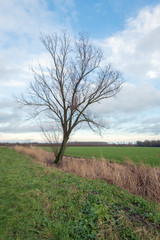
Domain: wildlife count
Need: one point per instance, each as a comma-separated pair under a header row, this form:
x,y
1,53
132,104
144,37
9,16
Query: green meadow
x,y
39,202
147,155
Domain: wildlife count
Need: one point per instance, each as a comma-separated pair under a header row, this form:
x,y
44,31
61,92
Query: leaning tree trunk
x,y
61,151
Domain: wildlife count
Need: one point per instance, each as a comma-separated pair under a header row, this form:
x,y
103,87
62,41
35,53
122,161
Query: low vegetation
x,y
142,180
146,155
40,202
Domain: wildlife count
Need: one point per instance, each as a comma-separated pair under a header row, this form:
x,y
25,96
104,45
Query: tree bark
x,y
62,150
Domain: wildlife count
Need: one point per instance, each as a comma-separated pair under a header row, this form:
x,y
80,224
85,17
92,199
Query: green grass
x,y
147,155
38,203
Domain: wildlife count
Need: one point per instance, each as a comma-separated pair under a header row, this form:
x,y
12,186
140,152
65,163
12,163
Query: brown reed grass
x,y
38,154
141,180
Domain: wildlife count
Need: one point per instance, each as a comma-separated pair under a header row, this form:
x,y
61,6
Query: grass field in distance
x,y
39,202
147,155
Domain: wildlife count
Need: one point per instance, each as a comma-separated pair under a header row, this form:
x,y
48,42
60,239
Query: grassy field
x,y
39,202
149,155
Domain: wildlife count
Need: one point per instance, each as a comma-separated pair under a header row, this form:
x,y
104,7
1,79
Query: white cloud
x,y
132,99
136,49
146,21
152,74
24,16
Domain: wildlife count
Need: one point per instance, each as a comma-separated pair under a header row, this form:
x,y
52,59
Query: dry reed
x,y
141,180
38,154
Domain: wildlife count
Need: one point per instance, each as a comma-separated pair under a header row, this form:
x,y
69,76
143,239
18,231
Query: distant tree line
x,y
149,143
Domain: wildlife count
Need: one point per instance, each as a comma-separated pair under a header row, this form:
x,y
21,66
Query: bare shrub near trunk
x,y
51,133
141,180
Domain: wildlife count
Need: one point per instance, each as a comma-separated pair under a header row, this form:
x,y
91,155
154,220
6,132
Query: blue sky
x,y
128,33
103,18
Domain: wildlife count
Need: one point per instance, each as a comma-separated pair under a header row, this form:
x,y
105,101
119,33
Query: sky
x,y
128,32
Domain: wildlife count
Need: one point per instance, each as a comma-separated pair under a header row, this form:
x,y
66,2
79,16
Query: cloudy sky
x,y
128,33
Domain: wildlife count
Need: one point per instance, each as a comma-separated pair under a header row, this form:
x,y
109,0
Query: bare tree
x,y
51,133
76,79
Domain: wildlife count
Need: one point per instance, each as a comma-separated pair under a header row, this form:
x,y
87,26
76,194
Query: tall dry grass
x,y
38,154
141,180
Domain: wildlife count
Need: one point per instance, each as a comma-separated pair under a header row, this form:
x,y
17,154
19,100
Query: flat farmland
x,y
146,155
40,202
